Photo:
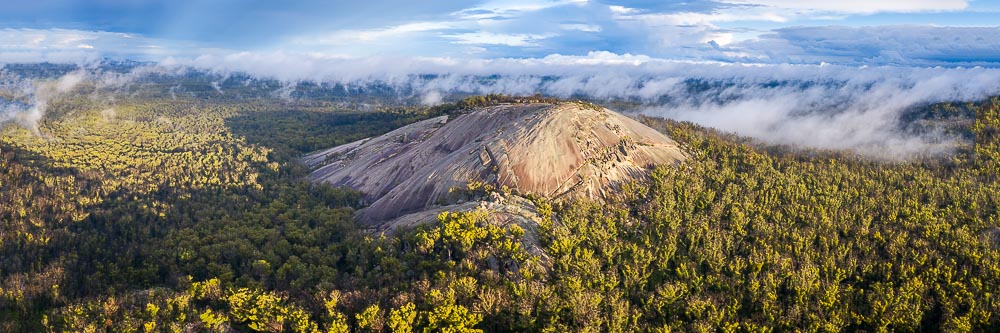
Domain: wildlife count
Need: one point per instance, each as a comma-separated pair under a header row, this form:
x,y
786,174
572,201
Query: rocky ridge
x,y
551,150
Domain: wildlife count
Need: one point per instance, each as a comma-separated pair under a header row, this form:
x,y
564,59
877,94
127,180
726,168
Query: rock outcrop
x,y
551,150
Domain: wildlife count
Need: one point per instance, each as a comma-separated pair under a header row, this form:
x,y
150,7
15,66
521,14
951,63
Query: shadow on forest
x,y
35,252
123,247
296,132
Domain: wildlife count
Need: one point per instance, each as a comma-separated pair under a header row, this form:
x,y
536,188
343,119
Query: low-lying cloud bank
x,y
25,101
822,106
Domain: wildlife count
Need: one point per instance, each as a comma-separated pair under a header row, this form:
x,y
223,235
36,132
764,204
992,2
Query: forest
x,y
192,214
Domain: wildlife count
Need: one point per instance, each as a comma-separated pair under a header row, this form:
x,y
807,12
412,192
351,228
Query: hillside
x,y
549,150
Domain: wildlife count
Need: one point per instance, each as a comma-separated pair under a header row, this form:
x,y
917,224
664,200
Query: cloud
x,y
692,18
696,30
490,38
861,6
508,28
495,28
637,69
504,8
78,46
350,37
907,45
431,98
31,97
732,64
687,34
863,116
827,87
622,10
580,27
823,106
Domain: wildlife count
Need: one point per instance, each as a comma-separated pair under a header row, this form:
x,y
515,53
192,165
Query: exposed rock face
x,y
550,150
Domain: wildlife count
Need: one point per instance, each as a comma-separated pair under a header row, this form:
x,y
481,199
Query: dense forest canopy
x,y
193,214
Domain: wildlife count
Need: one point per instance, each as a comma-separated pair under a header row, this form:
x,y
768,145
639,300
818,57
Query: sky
x,y
927,33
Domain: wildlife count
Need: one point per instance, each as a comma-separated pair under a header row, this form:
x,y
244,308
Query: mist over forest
x,y
864,109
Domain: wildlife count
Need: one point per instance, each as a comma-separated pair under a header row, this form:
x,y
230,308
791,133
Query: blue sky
x,y
853,32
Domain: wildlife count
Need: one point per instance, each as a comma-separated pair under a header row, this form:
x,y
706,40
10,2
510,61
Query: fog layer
x,y
820,106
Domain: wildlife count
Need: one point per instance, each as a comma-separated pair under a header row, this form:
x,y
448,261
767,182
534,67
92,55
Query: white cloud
x,y
63,57
79,46
580,27
349,37
694,33
824,106
907,45
37,93
492,38
34,39
500,23
622,10
506,7
691,18
690,31
672,32
861,6
431,98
